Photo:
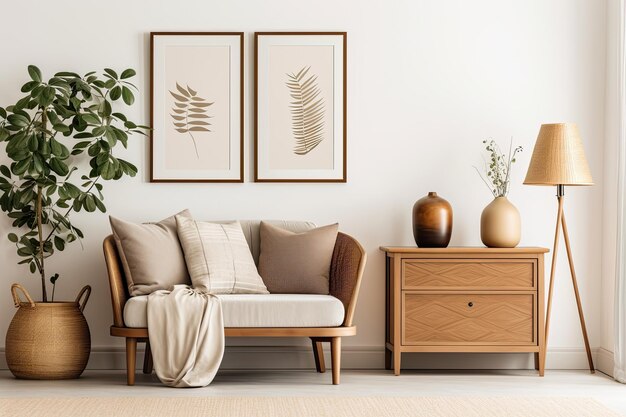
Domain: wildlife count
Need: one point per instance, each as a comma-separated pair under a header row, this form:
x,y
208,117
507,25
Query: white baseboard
x,y
604,361
355,357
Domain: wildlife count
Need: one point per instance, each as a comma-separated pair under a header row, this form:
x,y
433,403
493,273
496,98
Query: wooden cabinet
x,y
464,300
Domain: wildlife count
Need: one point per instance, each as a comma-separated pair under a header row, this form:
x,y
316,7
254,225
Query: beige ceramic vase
x,y
500,224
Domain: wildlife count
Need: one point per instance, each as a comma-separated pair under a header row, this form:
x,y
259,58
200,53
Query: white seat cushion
x,y
259,310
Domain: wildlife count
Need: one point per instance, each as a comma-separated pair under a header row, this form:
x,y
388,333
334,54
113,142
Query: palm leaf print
x,y
189,113
307,111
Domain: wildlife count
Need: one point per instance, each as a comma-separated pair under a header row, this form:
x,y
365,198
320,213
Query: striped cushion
x,y
218,257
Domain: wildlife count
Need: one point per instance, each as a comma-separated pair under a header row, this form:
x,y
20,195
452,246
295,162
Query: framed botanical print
x,y
196,106
300,117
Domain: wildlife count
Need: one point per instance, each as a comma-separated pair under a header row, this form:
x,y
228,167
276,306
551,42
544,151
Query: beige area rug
x,y
304,407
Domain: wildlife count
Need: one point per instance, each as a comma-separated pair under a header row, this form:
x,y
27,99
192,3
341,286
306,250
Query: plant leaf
x,y
34,73
18,120
56,147
4,170
111,72
127,96
100,205
188,106
199,104
128,73
29,86
91,118
307,111
115,93
90,203
60,245
59,167
182,91
179,97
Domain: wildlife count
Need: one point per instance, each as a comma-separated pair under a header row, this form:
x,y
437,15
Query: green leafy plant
x,y
498,168
48,133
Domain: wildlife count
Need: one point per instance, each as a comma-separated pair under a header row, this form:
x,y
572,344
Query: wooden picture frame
x,y
197,106
300,119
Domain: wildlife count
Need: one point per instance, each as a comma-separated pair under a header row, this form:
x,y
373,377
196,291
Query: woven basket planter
x,y
48,340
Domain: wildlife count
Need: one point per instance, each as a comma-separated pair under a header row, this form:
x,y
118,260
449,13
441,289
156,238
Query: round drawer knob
x,y
470,304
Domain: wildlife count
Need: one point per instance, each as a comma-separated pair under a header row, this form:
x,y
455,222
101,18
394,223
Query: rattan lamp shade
x,y
558,157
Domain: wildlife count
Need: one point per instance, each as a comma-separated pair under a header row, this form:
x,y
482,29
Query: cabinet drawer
x,y
468,319
444,274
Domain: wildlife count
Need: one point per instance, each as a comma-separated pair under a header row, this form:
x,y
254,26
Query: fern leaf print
x,y
189,114
307,111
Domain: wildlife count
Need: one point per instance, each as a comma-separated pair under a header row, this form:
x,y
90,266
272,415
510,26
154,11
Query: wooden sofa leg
x,y
147,360
335,351
318,354
131,357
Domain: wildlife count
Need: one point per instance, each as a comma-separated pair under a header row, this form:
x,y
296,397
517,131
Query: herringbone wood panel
x,y
468,274
449,319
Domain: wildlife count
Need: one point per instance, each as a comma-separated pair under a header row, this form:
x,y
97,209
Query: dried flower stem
x,y
498,169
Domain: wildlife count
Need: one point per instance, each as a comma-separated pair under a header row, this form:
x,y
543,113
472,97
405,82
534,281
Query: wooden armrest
x,y
117,282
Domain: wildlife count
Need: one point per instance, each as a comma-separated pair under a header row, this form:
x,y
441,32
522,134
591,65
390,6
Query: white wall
x,y
427,81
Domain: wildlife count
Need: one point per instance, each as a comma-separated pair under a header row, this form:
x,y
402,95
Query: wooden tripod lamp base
x,y
559,159
561,223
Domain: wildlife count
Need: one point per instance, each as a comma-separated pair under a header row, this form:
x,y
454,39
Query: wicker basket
x,y
48,340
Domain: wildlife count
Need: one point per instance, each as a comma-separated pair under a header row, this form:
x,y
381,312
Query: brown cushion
x,y
296,263
151,254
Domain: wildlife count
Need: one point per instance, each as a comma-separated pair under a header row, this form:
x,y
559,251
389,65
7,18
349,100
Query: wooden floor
x,y
354,383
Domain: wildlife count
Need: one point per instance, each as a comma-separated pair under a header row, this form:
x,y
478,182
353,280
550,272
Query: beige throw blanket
x,y
186,336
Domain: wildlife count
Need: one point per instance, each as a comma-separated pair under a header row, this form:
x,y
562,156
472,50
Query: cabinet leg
x,y
396,361
540,361
387,359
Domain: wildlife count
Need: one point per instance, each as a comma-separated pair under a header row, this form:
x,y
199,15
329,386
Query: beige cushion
x,y
296,263
151,254
260,310
251,230
218,257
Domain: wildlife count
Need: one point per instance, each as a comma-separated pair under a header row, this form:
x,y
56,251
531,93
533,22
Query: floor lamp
x,y
559,159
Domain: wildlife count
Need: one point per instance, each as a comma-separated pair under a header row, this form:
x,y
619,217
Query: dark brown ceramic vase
x,y
432,221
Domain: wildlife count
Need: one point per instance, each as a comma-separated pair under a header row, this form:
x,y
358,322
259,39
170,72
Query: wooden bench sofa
x,y
348,263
